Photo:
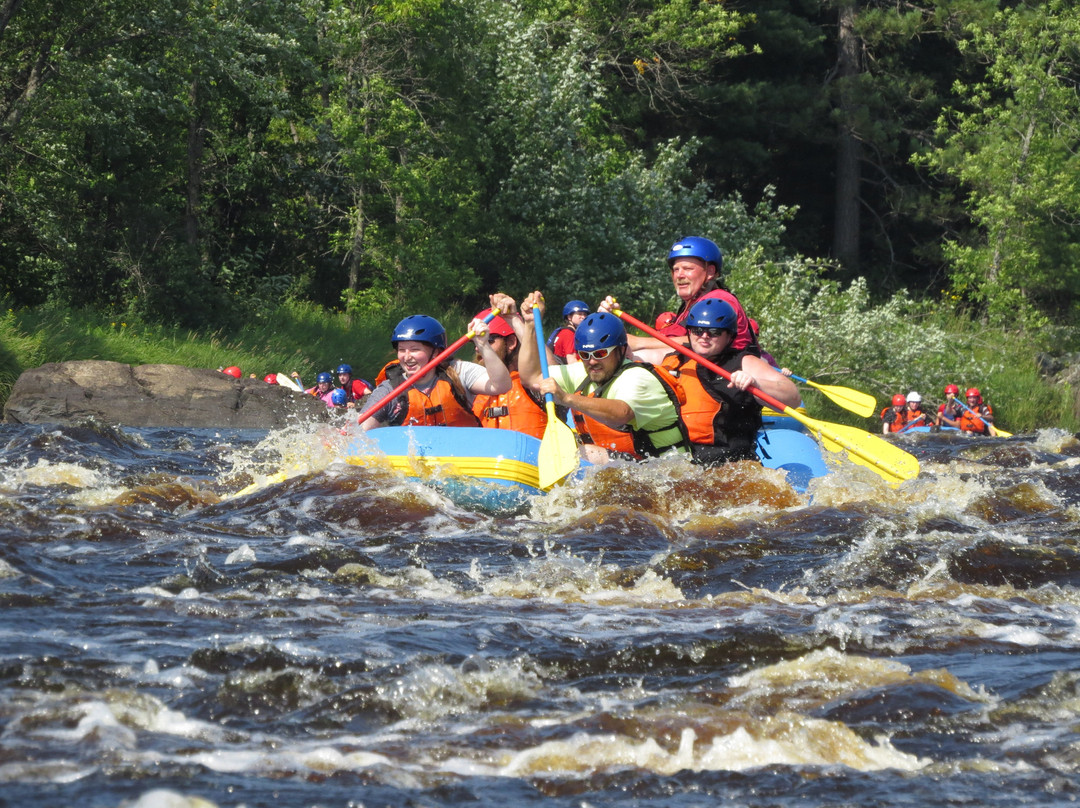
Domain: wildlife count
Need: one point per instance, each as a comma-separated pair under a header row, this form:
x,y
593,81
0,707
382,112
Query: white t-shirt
x,y
470,373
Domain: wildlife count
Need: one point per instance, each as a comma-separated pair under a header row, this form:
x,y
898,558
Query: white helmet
x,y
913,396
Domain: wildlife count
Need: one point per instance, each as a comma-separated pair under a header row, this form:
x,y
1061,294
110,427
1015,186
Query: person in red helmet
x,y
949,413
270,378
894,418
519,408
977,417
233,371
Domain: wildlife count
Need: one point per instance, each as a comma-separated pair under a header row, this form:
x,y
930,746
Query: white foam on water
x,y
241,555
163,798
1015,635
45,771
774,741
434,691
1054,440
825,675
567,578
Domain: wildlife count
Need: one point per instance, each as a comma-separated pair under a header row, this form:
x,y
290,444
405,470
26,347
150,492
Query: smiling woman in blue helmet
x,y
695,264
443,396
722,417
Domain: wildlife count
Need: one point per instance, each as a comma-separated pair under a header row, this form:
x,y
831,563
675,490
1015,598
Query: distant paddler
x,y
722,418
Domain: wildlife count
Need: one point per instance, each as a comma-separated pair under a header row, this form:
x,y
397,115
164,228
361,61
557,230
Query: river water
x,y
654,635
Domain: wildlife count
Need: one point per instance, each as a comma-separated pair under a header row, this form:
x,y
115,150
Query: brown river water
x,y
653,635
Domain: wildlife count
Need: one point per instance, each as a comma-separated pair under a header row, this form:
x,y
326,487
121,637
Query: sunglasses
x,y
698,331
493,337
599,353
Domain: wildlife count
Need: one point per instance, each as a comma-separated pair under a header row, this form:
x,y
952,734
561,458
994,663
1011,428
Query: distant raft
x,y
495,470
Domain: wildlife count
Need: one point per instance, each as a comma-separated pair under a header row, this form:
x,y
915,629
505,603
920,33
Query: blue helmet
x,y
344,369
339,398
421,328
324,377
575,305
712,313
696,247
599,330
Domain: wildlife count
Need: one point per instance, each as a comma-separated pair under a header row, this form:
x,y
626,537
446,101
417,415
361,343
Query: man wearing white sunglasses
x,y
621,408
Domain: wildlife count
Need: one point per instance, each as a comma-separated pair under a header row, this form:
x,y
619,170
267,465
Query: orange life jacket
x,y
971,422
515,409
899,421
636,443
442,405
722,422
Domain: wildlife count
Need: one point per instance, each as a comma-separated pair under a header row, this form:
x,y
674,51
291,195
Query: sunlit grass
x,y
296,337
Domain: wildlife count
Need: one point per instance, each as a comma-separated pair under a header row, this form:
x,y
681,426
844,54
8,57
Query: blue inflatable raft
x,y
495,470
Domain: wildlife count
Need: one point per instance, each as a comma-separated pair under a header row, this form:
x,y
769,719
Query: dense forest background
x,y
880,175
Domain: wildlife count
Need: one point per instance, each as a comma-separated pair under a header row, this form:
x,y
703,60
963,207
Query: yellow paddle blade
x,y
999,433
558,454
273,479
886,459
862,404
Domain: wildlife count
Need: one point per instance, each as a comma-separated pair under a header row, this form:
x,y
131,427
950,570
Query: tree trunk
x,y
195,144
849,147
359,231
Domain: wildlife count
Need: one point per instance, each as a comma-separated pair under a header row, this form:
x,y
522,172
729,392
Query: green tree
x,y
1011,144
399,153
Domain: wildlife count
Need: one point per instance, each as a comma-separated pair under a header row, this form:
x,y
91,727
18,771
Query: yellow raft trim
x,y
483,468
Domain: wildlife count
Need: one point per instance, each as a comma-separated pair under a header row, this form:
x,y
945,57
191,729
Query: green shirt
x,y
636,387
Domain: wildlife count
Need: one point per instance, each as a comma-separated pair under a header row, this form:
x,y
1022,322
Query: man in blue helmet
x,y
355,389
621,408
695,265
561,340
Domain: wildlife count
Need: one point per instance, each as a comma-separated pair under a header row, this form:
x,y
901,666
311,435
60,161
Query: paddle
x,y
862,404
558,449
994,431
912,423
409,382
288,381
886,459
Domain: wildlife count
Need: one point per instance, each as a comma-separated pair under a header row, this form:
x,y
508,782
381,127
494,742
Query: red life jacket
x,y
442,405
722,422
356,389
515,409
745,339
636,443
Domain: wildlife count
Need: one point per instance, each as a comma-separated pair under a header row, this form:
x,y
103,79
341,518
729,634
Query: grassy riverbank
x,y
307,339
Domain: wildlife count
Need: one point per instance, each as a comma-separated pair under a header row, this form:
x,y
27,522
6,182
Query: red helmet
x,y
973,391
233,371
899,400
270,378
952,388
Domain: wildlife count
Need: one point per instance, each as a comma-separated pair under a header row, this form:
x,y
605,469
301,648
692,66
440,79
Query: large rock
x,y
154,395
